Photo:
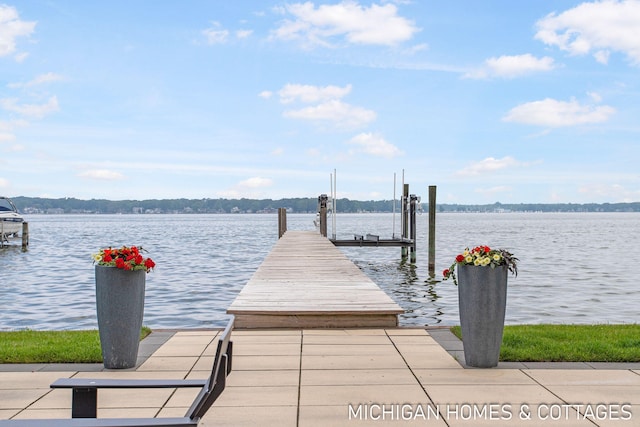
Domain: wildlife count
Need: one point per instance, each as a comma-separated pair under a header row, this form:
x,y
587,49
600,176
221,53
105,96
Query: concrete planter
x,y
482,299
120,307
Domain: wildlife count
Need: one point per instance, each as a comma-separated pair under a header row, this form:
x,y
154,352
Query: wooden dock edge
x,y
314,321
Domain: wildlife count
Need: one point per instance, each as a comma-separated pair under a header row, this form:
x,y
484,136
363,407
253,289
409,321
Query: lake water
x,y
574,267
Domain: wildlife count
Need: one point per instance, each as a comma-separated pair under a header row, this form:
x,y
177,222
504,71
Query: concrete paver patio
x,y
336,377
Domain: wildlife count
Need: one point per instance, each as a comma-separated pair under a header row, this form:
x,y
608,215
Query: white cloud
x,y
328,108
314,152
610,192
598,27
216,34
243,34
595,96
4,183
11,27
7,127
20,57
5,137
101,175
602,56
248,188
374,25
30,110
308,93
375,145
335,111
266,94
415,49
512,66
256,182
16,147
488,165
493,190
553,113
38,80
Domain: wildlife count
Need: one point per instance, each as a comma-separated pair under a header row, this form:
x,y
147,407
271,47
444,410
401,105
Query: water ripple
x,y
569,266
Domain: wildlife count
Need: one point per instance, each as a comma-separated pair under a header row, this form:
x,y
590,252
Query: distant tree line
x,y
37,205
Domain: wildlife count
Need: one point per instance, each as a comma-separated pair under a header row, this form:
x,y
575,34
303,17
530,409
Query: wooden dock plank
x,y
305,281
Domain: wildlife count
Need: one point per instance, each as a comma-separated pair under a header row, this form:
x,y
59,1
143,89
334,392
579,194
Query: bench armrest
x,y
129,383
84,391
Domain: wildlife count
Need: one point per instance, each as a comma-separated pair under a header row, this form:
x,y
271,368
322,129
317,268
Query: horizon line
x,y
309,197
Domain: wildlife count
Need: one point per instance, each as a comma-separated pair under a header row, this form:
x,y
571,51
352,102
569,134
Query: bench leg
x,y
84,403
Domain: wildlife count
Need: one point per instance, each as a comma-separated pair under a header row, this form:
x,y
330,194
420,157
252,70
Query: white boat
x,y
10,220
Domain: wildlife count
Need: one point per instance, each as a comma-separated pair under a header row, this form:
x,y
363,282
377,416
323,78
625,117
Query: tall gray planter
x,y
120,307
482,299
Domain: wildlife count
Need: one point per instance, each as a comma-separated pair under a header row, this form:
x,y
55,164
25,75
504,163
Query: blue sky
x,y
493,101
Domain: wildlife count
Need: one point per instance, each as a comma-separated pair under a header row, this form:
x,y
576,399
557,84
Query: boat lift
x,y
407,241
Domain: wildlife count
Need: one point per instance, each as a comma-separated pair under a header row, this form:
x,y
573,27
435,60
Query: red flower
x,y
446,272
126,258
460,258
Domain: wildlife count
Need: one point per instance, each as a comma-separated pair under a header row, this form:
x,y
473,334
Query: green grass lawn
x,y
52,346
524,343
569,343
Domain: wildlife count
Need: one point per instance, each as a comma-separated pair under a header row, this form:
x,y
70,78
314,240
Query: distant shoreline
x,y
37,205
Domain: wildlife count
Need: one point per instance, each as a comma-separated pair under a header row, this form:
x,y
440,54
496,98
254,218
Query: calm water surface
x,y
574,268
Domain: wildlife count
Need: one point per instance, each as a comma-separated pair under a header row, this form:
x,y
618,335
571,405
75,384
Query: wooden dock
x,y
306,282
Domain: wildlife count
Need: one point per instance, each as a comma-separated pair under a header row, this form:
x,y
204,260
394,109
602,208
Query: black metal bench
x,y
85,395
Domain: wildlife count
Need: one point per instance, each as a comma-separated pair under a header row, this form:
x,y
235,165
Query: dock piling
x,y
432,230
282,222
25,235
322,209
405,219
413,201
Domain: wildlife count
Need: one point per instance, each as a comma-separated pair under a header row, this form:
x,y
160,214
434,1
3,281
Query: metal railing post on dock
x,y
405,219
412,216
322,203
282,222
25,235
432,230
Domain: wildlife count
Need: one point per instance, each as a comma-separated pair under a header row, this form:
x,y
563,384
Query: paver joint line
x,y
544,387
410,370
299,378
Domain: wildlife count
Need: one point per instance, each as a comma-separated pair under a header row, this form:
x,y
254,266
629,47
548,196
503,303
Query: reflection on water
x,y
571,266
